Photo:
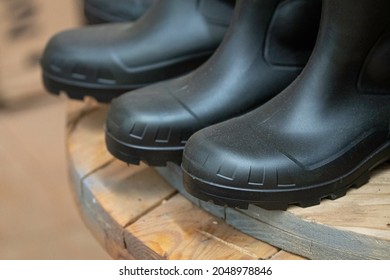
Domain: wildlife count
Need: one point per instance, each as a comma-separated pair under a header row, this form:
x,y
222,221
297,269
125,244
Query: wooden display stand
x,y
136,214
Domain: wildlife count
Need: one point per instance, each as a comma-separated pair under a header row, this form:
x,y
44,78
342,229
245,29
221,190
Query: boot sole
x,y
106,92
80,90
152,156
281,199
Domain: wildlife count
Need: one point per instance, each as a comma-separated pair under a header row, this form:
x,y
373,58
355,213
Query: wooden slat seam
x,y
299,236
150,209
228,244
87,175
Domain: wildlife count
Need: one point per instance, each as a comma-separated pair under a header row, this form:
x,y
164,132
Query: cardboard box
x,y
26,27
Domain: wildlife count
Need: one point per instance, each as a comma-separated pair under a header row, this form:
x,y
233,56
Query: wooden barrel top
x,y
140,212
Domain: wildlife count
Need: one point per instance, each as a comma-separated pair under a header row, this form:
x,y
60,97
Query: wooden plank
x,y
310,239
365,210
115,196
353,227
86,145
180,230
283,255
127,192
82,161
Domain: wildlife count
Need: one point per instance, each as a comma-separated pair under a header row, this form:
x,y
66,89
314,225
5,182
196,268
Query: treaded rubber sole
x,y
152,156
279,199
80,90
207,192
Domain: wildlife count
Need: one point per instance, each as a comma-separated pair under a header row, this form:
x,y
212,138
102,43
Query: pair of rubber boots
x,y
319,133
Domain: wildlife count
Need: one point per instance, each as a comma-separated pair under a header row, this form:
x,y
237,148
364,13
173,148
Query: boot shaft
x,y
214,11
354,44
283,31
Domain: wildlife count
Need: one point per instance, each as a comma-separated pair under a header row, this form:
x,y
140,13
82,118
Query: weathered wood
x,y
283,255
115,196
86,146
353,227
134,213
365,210
181,230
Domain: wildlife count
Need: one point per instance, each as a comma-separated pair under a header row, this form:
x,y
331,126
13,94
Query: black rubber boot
x,y
104,11
265,48
320,136
106,60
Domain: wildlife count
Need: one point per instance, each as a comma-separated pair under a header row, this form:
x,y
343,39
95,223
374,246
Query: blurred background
x,y
38,216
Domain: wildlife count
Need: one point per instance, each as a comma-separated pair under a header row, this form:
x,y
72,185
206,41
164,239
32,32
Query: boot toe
x,y
236,169
83,55
149,120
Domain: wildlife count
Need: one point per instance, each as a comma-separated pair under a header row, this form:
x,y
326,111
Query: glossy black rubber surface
x,y
264,50
320,136
104,11
105,60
